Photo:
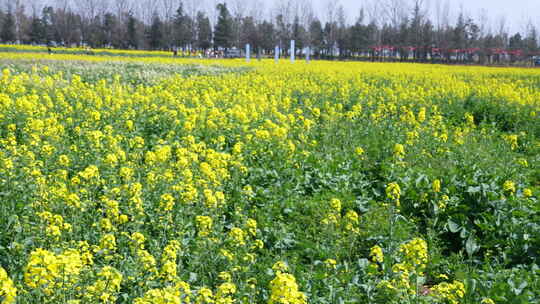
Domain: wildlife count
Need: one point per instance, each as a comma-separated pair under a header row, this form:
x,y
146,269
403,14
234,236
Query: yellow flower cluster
x,y
204,225
167,295
7,289
512,140
352,221
238,236
376,254
415,254
169,261
54,224
412,262
251,225
106,287
225,292
393,192
450,292
399,151
177,294
330,263
436,185
509,186
334,214
107,244
48,271
284,289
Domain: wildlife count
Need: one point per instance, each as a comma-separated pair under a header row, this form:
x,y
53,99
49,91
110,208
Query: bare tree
x,y
142,11
87,8
237,7
64,5
17,7
445,15
374,12
167,12
256,10
283,22
307,13
193,7
64,22
35,7
395,11
167,9
212,12
285,9
122,8
331,10
483,22
502,29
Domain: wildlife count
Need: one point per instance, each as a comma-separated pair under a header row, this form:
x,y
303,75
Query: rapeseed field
x,y
220,181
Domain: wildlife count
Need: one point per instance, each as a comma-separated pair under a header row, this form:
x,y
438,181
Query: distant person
x,y
175,53
49,50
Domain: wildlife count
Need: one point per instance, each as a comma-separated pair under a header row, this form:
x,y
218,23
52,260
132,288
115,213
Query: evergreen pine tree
x,y
37,30
204,30
182,27
47,17
316,34
223,33
133,39
298,33
7,33
156,33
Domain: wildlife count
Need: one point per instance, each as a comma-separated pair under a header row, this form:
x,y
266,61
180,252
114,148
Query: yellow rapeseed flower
x,y
8,291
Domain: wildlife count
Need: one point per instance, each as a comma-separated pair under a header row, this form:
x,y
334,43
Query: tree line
x,y
394,28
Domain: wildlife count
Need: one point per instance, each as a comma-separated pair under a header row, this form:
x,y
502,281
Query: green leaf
x,y
471,246
453,227
473,189
363,263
